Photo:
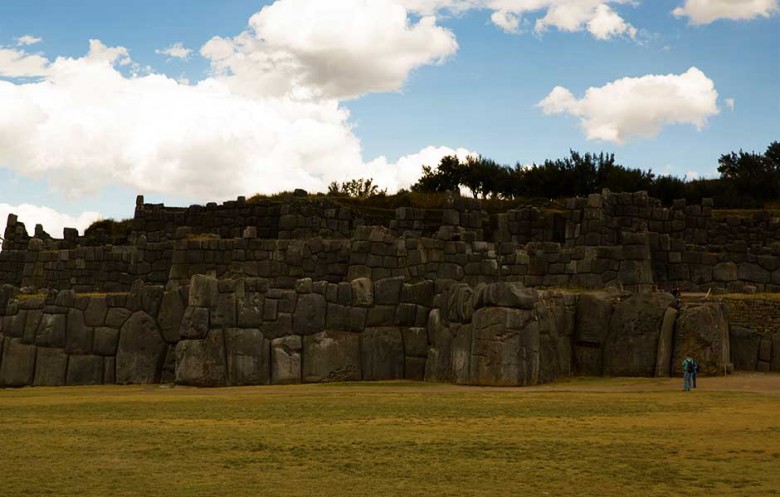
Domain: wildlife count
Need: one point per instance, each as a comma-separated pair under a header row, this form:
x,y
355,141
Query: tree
x,y
753,175
356,188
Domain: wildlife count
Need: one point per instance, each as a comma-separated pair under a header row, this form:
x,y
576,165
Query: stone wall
x,y
241,331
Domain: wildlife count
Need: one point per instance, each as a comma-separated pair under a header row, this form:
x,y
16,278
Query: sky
x,y
191,101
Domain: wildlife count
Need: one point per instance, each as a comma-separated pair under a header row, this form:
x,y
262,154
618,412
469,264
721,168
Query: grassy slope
x,y
389,439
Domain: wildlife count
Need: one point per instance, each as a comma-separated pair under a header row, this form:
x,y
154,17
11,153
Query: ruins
x,y
309,290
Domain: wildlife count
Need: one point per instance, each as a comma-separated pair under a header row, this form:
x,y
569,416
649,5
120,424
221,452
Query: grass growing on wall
x,y
605,437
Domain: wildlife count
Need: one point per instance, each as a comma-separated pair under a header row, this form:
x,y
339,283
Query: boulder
x,y
331,356
382,354
85,370
744,343
663,359
78,337
457,303
224,315
204,291
194,323
106,341
51,331
415,342
286,353
309,317
247,353
461,353
17,368
438,367
96,311
631,346
51,366
201,363
765,349
170,315
702,332
505,347
117,316
594,312
141,350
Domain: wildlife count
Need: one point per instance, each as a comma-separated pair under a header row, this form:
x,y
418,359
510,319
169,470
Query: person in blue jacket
x,y
688,372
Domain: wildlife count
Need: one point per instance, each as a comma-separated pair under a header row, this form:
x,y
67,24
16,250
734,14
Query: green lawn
x,y
379,439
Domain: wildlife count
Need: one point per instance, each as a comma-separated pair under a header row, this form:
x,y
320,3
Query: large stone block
x,y
51,331
194,323
204,291
765,349
286,360
170,315
514,295
331,356
106,341
415,342
17,368
78,337
201,363
250,310
309,317
362,292
247,353
85,370
461,354
505,347
388,290
141,351
382,353
744,345
631,347
419,293
594,312
117,316
225,313
51,366
702,332
96,311
663,360
725,271
438,367
774,364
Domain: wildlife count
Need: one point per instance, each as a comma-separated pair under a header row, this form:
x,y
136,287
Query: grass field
x,y
604,437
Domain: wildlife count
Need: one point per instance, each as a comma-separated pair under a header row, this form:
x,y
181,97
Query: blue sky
x,y
275,95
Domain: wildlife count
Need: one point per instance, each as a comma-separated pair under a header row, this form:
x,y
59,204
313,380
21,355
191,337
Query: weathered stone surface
x,y
279,328
514,295
248,357
51,331
752,272
382,354
309,317
774,364
458,303
765,349
702,332
117,317
725,271
331,356
250,310
286,360
594,312
204,291
663,359
415,342
505,347
194,323
151,298
31,325
109,370
85,370
438,367
169,366
106,341
201,363
96,311
170,315
461,354
744,344
17,368
631,347
225,313
414,368
78,337
51,365
419,293
141,351
388,291
362,292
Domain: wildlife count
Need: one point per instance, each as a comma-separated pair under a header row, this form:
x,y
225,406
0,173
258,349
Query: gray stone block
x,y
51,331
388,291
663,361
362,292
194,323
202,362
414,368
78,337
247,353
106,341
141,351
415,342
117,316
204,291
331,356
286,360
85,370
309,317
51,366
170,315
744,344
17,368
250,310
96,311
382,354
505,347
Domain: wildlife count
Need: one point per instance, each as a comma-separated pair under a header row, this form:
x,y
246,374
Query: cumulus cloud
x,y
53,222
408,169
19,64
729,103
596,16
638,107
28,40
707,11
176,51
333,49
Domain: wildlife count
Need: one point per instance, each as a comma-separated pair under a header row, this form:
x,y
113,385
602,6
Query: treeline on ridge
x,y
747,179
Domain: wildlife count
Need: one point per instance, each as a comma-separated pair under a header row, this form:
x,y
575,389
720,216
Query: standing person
x,y
676,295
695,372
687,366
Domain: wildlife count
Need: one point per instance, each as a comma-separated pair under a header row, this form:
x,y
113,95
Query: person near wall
x,y
688,368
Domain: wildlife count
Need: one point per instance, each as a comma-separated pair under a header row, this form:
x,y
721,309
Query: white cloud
x,y
28,40
333,49
177,51
691,175
596,16
53,222
408,169
729,103
638,107
707,11
19,64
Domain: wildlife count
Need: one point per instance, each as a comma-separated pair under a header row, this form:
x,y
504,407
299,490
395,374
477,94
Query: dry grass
x,y
605,437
